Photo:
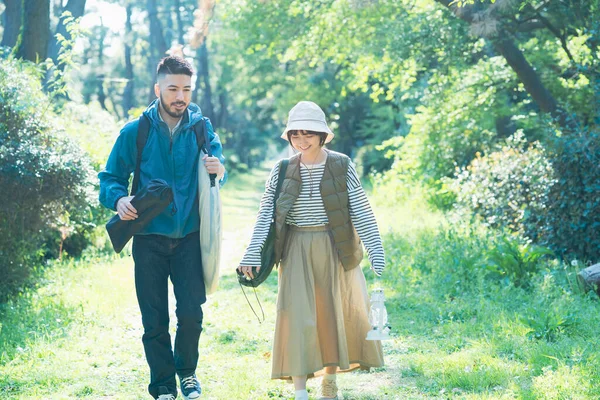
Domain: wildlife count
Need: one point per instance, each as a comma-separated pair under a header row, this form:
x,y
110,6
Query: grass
x,y
459,333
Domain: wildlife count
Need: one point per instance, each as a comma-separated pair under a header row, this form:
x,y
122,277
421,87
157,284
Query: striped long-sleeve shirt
x,y
309,210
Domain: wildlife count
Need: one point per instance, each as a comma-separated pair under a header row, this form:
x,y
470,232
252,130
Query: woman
x,y
322,304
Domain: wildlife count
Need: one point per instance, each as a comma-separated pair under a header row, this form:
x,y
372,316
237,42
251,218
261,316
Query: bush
x,y
550,195
570,223
506,187
95,131
45,177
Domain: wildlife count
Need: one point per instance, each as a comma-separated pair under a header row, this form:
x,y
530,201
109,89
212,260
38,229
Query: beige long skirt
x,y
322,310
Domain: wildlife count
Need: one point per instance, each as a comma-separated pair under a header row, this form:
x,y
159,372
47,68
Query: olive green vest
x,y
334,192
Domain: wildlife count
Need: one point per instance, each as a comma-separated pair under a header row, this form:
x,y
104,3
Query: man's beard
x,y
172,112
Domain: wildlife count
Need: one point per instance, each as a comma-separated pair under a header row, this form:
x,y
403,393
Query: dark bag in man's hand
x,y
150,201
267,254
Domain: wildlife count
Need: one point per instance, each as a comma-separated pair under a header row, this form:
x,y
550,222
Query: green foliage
x,y
515,261
93,128
58,74
466,333
456,120
547,324
275,47
448,259
45,177
506,186
570,222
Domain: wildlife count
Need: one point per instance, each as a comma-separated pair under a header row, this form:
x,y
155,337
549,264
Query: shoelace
x,y
189,382
166,397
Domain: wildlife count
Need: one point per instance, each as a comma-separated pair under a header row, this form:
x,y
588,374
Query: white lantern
x,y
378,317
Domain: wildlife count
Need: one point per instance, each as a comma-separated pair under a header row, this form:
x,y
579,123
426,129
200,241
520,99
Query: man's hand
x,y
214,166
125,210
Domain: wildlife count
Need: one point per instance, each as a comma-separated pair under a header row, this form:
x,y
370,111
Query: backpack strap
x,y
280,177
201,137
201,131
142,138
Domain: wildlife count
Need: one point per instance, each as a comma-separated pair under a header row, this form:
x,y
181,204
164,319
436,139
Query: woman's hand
x,y
247,271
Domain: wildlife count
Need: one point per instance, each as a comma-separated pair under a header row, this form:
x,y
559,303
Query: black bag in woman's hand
x,y
267,254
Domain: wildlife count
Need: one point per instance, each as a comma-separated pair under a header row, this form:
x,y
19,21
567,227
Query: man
x,y
169,246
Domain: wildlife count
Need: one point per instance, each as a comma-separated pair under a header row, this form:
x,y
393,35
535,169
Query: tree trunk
x,y
35,32
158,45
505,126
157,37
151,67
589,278
180,30
221,118
128,92
11,20
532,82
100,76
76,8
100,91
525,72
203,83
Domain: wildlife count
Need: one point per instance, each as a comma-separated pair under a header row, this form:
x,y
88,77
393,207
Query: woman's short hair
x,y
322,135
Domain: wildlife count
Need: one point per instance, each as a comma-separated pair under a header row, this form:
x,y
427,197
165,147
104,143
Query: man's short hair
x,y
173,65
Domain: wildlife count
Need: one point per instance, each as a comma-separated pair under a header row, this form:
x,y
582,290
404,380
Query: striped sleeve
x,y
364,221
263,221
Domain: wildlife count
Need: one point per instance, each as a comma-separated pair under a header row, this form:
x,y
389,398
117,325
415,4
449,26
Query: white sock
x,y
329,377
301,395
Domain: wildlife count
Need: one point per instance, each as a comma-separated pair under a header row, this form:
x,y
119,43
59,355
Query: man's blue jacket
x,y
172,158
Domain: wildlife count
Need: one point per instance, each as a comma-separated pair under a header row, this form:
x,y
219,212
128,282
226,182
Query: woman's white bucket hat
x,y
307,116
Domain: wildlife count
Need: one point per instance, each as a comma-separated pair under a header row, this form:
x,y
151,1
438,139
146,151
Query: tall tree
x,y
221,116
203,83
129,87
180,29
102,32
203,86
33,40
158,44
11,20
75,8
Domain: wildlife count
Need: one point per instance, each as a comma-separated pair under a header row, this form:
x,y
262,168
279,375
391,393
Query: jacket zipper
x,y
174,207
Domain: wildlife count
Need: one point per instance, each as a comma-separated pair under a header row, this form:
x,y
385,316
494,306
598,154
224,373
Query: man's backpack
x,y
200,130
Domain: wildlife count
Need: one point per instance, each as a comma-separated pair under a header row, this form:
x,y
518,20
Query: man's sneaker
x,y
163,394
329,390
190,387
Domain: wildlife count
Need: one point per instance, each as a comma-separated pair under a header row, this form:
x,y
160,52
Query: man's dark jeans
x,y
156,259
